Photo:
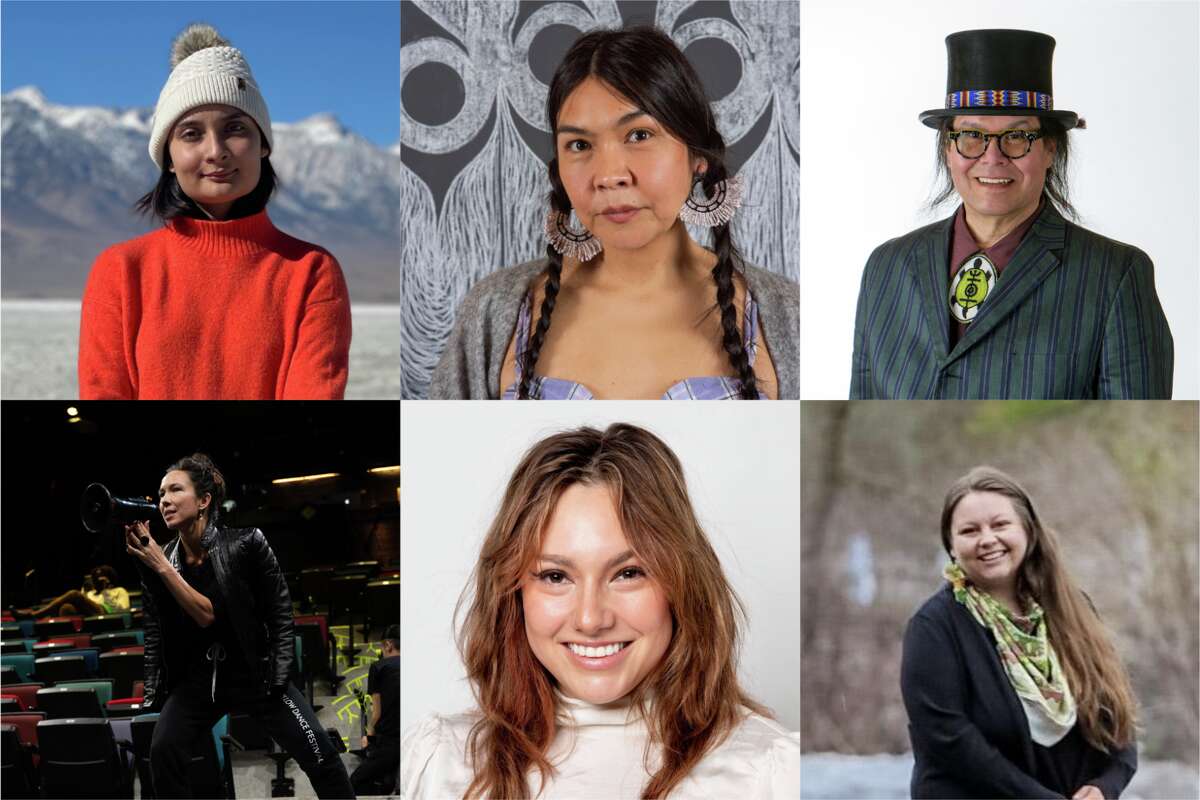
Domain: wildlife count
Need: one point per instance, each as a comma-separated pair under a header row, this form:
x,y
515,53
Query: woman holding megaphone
x,y
218,622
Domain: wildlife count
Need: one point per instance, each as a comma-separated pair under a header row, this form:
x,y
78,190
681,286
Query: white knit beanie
x,y
205,69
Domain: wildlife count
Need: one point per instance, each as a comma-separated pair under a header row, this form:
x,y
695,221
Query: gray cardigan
x,y
469,368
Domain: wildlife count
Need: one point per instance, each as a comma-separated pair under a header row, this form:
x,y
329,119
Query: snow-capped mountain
x,y
71,174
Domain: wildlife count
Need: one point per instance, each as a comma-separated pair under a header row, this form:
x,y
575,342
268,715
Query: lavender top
x,y
706,387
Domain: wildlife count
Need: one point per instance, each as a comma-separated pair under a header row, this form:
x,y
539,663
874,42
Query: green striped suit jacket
x,y
1073,315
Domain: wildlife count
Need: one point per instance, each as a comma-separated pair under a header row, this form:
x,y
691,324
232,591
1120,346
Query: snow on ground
x,y
833,776
41,348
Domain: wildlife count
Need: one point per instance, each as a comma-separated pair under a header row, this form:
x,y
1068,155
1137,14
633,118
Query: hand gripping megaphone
x,y
98,508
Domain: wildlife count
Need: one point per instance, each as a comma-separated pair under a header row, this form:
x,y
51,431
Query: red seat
x,y
26,723
26,693
139,694
124,701
78,640
136,649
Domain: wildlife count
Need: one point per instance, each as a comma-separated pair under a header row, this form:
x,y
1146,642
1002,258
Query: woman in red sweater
x,y
218,303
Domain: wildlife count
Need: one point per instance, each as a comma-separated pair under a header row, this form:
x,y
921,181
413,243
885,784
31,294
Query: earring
x,y
575,242
709,212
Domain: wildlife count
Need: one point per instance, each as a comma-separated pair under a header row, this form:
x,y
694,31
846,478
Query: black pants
x,y
380,766
190,712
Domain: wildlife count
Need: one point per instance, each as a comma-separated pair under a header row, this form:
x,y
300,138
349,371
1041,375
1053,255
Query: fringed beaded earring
x,y
567,235
709,212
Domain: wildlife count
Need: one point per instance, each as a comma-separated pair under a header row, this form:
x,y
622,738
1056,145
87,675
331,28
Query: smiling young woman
x,y
625,303
1011,681
600,638
218,303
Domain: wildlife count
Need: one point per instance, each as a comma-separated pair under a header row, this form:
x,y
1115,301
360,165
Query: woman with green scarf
x,y
1011,681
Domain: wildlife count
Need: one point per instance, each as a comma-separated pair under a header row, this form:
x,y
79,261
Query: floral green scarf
x,y
1025,652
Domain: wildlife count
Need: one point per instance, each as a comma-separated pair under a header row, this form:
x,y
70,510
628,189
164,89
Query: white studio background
x,y
742,465
869,67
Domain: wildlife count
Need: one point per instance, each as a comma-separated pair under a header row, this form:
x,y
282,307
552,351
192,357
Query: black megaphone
x,y
98,508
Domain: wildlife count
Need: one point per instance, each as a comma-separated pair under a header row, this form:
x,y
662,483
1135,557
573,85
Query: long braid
x,y
559,202
731,338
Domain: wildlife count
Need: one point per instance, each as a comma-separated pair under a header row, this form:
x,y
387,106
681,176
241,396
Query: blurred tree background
x,y
1118,482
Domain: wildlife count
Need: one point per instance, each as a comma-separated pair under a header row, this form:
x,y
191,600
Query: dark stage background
x,y
48,460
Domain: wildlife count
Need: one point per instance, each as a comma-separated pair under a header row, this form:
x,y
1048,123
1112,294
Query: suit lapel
x,y
928,265
1036,257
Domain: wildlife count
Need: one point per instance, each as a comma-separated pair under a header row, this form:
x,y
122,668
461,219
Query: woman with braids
x,y
625,304
1012,683
218,620
600,641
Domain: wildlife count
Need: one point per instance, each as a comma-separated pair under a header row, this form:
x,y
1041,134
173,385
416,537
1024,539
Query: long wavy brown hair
x,y
690,701
1106,707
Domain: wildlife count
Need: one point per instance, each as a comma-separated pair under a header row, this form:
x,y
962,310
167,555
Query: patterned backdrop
x,y
475,141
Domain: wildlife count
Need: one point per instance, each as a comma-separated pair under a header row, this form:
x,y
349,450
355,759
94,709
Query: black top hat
x,y
999,72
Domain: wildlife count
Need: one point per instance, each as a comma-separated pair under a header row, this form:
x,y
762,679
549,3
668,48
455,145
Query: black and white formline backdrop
x,y
475,140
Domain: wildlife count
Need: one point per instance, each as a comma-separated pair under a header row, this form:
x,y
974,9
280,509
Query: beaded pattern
x,y
999,98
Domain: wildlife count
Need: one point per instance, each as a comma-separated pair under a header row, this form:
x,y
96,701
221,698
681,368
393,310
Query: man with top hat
x,y
1007,298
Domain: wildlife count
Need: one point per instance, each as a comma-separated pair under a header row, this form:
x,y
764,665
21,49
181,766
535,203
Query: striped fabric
x,y
1074,315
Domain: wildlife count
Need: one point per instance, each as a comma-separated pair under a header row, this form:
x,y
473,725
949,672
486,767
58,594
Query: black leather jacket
x,y
249,579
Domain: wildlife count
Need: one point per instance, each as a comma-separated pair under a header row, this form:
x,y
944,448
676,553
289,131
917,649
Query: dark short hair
x,y
107,571
167,199
392,634
1057,188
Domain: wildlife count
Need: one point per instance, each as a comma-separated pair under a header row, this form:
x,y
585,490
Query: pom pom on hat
x,y
194,37
205,70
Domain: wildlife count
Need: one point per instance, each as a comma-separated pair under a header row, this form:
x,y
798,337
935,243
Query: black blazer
x,y
970,736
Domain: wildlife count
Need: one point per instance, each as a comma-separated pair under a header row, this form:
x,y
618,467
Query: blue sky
x,y
308,57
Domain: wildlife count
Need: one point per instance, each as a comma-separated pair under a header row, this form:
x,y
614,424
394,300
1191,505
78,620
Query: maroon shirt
x,y
963,246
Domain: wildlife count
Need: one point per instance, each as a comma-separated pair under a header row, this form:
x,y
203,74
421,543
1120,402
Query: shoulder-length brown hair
x,y
1107,709
691,700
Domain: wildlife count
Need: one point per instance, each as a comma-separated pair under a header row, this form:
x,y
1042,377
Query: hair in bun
x,y
206,478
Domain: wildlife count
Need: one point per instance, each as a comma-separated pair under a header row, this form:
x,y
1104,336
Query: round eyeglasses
x,y
1013,143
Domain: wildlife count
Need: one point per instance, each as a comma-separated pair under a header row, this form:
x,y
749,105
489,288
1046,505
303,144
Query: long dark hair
x,y
206,478
643,65
167,199
1103,693
1057,188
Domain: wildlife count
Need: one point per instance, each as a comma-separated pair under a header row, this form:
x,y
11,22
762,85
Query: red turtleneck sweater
x,y
208,310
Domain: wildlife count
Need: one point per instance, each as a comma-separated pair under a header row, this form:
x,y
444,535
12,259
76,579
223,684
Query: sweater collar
x,y
581,714
228,238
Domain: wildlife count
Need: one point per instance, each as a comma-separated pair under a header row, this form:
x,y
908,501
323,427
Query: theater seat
x,y
63,702
17,777
26,692
124,668
53,669
211,770
26,724
21,662
114,640
54,626
75,640
80,759
102,623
